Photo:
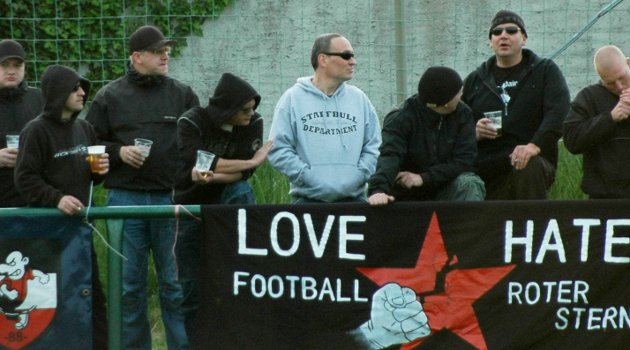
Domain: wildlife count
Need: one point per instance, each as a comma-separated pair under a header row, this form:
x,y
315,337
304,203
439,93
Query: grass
x,y
271,187
568,176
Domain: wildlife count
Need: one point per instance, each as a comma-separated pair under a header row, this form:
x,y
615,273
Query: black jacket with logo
x,y
535,112
52,158
437,147
141,106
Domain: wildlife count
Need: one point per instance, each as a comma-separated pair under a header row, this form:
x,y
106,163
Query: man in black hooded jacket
x,y
52,170
230,128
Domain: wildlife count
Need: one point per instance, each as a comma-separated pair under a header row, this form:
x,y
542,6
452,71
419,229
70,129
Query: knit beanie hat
x,y
11,49
438,85
505,16
229,97
148,38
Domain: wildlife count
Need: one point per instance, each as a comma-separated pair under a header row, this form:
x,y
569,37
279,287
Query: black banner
x,y
492,275
45,283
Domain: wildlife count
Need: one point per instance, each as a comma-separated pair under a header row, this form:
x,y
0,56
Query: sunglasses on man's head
x,y
510,30
345,55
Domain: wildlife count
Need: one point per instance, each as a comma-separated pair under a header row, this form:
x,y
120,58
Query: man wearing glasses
x,y
532,97
145,103
326,132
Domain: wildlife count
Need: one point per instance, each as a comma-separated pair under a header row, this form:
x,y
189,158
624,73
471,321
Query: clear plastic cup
x,y
144,145
204,162
496,117
13,141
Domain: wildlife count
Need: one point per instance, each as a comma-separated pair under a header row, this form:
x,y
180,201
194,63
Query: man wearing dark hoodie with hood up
x,y
52,170
230,128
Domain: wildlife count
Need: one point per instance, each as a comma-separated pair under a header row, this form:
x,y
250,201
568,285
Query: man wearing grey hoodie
x,y
326,132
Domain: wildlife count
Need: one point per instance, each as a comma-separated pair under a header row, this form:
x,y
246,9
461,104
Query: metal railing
x,y
114,217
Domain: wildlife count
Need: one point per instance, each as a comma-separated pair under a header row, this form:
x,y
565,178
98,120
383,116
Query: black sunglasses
x,y
510,30
345,55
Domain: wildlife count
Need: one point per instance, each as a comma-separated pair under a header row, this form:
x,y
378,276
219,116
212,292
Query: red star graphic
x,y
449,306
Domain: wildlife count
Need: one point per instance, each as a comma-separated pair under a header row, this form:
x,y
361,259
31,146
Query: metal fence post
x,y
114,283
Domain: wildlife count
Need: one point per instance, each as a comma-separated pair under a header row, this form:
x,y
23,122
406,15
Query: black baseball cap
x,y
11,49
148,38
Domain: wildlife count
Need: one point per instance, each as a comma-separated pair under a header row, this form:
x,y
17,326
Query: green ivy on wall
x,y
91,35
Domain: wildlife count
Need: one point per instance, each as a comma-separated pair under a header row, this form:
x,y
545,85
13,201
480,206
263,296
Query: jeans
x,y
141,237
187,252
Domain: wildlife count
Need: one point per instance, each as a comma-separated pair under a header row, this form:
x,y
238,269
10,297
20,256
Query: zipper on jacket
x,y
436,139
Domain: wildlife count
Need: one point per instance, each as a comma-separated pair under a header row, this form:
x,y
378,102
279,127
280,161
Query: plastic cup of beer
x,y
204,162
144,145
94,156
496,117
13,141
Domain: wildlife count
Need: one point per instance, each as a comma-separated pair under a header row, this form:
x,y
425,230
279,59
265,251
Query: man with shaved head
x,y
597,127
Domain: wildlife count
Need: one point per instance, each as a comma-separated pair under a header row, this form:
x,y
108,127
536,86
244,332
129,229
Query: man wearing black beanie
x,y
532,96
429,146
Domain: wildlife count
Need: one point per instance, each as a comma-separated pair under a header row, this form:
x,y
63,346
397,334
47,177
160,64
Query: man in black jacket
x,y
533,97
429,148
145,103
19,104
598,127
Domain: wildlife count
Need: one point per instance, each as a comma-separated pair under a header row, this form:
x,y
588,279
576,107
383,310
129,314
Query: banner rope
x,y
176,215
86,220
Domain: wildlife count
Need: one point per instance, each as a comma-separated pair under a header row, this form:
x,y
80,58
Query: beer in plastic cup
x,y
204,162
94,155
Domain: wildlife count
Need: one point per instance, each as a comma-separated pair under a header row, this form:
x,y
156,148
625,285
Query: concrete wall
x,y
268,42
